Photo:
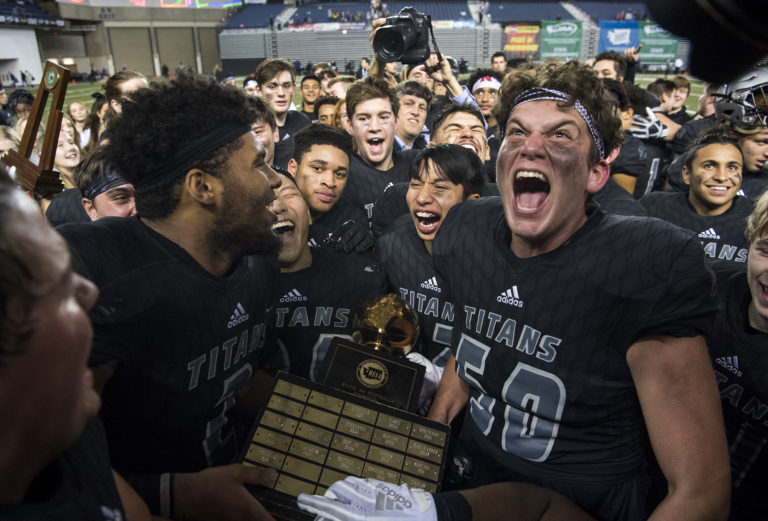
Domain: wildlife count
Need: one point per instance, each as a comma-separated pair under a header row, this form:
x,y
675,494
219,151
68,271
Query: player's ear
x,y
598,176
473,196
292,166
89,208
686,175
202,186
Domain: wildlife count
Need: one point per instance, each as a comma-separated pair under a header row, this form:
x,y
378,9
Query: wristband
x,y
452,506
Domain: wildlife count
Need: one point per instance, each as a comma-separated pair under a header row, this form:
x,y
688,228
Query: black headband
x,y
106,179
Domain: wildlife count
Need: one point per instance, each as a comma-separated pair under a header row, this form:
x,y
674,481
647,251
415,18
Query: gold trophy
x,y
386,324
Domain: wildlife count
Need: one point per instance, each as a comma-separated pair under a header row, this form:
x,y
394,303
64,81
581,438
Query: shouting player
x,y
585,328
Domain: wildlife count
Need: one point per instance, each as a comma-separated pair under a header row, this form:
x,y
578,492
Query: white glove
x,y
432,375
358,499
648,127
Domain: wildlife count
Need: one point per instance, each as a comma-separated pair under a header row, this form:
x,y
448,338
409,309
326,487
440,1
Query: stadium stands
x,y
24,13
455,11
609,10
255,15
506,12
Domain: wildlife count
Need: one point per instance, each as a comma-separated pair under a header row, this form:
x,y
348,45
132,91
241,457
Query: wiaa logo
x,y
372,373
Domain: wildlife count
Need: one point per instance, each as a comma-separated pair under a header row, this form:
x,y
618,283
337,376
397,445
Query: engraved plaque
x,y
421,469
301,468
293,487
272,439
428,434
390,439
352,466
415,482
423,450
326,401
387,421
356,429
316,434
358,412
320,417
309,451
386,457
264,456
330,476
279,422
295,391
283,404
350,445
372,470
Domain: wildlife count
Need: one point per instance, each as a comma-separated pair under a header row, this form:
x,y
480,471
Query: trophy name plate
x,y
313,436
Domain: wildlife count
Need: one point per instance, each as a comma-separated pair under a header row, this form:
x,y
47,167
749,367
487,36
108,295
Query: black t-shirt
x,y
612,198
721,235
67,207
294,121
635,160
740,358
330,221
366,184
78,485
542,342
411,272
317,304
185,343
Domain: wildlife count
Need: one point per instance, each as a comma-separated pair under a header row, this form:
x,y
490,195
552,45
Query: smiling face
x,y
411,117
67,154
321,177
755,149
462,128
714,178
373,130
268,137
429,198
278,92
544,177
310,90
292,227
118,201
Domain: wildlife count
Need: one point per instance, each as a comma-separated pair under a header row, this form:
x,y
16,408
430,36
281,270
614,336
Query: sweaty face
x,y
243,223
412,115
278,92
757,279
115,202
67,153
373,130
321,177
499,63
268,137
54,379
486,98
310,90
429,198
461,128
544,177
755,149
714,178
419,73
605,69
78,112
292,226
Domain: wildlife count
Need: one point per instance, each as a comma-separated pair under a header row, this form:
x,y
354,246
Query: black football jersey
x,y
366,184
635,160
542,341
76,485
330,221
721,235
317,304
185,342
411,272
294,121
691,130
740,359
612,198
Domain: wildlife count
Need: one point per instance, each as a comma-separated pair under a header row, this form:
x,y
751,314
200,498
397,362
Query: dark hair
x,y
718,135
580,83
370,88
158,120
262,111
661,86
459,165
617,92
619,62
681,82
320,134
498,53
324,100
414,88
310,77
639,98
479,73
268,69
89,168
452,108
112,84
248,78
20,96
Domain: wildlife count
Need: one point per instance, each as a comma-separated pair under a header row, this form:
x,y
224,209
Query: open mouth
x,y
531,190
376,145
283,229
468,144
427,222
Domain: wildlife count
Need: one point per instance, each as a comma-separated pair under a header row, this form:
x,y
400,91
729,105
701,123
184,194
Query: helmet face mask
x,y
744,103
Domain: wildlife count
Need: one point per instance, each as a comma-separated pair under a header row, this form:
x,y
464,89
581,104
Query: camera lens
x,y
391,42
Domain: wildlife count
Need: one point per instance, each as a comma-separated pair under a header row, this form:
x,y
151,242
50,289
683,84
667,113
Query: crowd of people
x,y
587,258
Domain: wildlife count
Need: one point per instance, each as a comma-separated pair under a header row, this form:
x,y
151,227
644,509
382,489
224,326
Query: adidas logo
x,y
709,234
391,500
286,137
238,316
388,186
431,284
511,297
313,243
293,296
730,363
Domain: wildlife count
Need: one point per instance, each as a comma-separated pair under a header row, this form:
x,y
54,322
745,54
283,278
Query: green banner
x,y
560,39
658,44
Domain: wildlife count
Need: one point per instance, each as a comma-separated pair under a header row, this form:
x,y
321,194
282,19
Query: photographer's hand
x,y
440,70
377,67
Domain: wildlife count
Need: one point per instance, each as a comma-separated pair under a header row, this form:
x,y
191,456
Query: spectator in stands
x,y
277,86
362,72
325,107
610,64
310,90
499,62
415,99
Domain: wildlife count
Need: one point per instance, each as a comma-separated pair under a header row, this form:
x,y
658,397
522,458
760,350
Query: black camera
x,y
404,38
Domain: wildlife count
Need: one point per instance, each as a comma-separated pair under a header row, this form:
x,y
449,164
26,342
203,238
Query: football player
x,y
585,329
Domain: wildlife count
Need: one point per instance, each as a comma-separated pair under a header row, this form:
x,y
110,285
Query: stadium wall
x,y
19,50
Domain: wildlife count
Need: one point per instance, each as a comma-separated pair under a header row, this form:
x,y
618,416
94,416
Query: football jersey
x,y
185,343
740,359
76,485
366,184
542,341
294,121
612,198
411,272
317,304
635,160
721,235
330,221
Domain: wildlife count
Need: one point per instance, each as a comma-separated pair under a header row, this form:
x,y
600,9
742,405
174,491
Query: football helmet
x,y
743,103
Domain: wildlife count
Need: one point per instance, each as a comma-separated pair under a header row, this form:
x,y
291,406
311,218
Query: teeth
x,y
425,215
719,188
283,227
523,174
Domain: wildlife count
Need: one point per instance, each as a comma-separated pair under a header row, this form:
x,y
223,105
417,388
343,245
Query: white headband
x,y
486,81
250,84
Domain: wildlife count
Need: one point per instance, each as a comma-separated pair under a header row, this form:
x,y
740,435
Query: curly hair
x,y
580,83
157,121
368,89
757,222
